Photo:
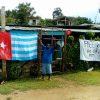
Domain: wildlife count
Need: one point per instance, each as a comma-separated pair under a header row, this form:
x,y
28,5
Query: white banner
x,y
89,50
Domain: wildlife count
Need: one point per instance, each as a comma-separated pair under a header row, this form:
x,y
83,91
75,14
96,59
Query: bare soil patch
x,y
68,93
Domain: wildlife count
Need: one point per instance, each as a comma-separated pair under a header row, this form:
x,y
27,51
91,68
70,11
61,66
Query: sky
x,y
45,8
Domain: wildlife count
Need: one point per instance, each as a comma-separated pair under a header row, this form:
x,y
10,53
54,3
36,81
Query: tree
x,y
22,13
82,20
10,17
57,13
47,22
8,13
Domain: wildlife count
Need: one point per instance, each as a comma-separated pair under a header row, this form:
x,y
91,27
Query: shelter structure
x,y
62,21
57,32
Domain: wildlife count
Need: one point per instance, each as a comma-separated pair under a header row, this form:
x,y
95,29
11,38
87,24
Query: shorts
x,y
46,69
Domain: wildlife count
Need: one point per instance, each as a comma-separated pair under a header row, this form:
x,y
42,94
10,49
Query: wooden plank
x,y
50,39
4,72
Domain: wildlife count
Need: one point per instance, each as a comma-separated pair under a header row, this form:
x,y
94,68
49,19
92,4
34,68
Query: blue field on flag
x,y
24,45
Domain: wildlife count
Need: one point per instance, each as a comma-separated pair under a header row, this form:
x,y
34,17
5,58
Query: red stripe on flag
x,y
5,46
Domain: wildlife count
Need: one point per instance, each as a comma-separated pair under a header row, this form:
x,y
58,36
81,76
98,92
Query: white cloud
x,y
44,8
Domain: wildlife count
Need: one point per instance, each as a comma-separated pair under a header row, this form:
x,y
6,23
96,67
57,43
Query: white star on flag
x,y
2,45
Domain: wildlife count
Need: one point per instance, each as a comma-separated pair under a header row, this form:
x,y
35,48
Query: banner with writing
x,y
89,50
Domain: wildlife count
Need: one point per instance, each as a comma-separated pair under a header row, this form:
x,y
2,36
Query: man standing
x,y
47,60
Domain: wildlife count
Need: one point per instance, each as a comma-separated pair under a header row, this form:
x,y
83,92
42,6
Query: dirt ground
x,y
68,93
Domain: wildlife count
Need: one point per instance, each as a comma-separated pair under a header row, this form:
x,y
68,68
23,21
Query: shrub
x,y
14,70
81,37
72,56
90,35
97,39
70,39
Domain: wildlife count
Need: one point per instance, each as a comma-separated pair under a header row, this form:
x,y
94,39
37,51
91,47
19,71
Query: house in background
x,y
62,21
34,20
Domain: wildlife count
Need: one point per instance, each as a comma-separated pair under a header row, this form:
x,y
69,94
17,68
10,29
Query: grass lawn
x,y
84,78
58,81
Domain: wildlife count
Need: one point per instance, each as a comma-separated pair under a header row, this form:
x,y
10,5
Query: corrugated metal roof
x,y
53,29
32,28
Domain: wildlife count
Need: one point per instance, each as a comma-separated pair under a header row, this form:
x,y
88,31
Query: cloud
x,y
45,8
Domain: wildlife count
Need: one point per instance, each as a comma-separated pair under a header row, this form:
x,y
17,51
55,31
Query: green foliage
x,y
10,21
81,37
21,14
90,35
97,38
47,22
84,78
79,20
10,17
42,22
70,39
82,20
72,55
14,70
57,13
73,62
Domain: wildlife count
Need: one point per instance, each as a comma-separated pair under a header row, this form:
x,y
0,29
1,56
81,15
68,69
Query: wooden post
x,y
4,72
63,52
65,21
39,50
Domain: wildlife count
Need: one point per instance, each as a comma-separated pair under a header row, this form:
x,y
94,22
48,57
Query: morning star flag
x,y
5,46
18,45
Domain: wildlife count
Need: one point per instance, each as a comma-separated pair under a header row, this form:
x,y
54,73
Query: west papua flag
x,y
18,45
5,46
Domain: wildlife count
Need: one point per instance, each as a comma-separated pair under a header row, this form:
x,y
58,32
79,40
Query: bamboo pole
x,y
4,72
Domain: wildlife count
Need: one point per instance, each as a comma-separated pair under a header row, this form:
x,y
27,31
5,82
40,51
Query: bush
x,y
90,35
70,39
73,62
97,39
72,56
14,70
81,37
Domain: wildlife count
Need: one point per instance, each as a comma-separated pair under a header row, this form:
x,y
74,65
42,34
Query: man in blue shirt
x,y
47,60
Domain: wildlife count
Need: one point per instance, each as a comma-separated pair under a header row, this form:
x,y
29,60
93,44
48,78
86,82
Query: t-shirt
x,y
47,54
